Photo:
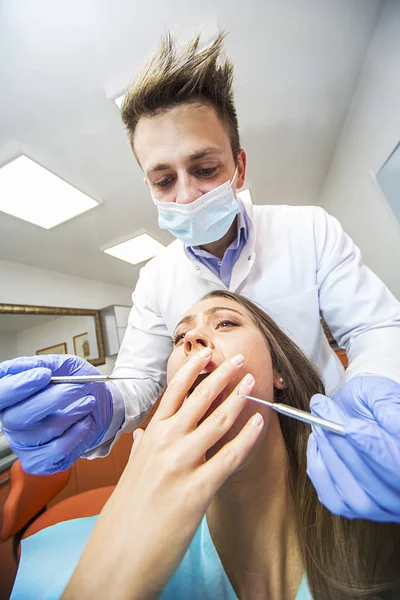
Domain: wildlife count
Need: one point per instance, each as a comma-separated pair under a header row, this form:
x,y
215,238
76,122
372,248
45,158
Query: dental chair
x,y
24,511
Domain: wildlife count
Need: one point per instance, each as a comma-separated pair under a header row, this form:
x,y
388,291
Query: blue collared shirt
x,y
223,268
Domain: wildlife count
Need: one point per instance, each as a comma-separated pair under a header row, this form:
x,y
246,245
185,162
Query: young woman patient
x,y
215,502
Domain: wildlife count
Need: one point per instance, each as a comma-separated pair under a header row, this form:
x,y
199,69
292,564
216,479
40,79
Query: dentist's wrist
x,y
118,414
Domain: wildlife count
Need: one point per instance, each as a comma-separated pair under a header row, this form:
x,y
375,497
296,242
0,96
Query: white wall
x,y
8,346
22,284
57,331
370,132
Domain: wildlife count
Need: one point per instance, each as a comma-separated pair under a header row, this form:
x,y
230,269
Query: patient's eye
x,y
222,323
178,337
226,323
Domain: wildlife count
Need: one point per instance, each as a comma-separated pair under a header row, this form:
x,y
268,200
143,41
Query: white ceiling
x,y
62,63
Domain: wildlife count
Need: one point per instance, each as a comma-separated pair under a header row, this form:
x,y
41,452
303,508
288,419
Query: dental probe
x,y
300,415
285,409
92,378
87,378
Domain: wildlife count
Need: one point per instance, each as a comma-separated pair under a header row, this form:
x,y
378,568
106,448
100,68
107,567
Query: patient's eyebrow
x,y
210,311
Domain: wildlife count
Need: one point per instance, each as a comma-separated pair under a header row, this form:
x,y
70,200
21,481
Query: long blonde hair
x,y
344,559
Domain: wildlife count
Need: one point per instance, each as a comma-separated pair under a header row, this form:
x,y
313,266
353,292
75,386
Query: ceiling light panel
x,y
137,249
119,101
31,193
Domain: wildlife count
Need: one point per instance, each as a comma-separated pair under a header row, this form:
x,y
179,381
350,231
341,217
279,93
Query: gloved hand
x,y
50,426
358,475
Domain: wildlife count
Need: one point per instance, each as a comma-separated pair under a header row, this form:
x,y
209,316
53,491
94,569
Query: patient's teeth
x,y
203,372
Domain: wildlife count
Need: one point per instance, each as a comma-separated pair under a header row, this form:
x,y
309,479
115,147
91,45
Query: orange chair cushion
x,y
27,496
86,504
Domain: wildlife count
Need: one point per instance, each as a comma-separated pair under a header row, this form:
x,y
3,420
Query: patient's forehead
x,y
220,301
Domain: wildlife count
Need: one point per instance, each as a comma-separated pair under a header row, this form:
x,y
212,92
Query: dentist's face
x,y
225,326
185,152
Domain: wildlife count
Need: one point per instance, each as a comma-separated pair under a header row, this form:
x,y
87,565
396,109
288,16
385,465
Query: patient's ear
x,y
279,382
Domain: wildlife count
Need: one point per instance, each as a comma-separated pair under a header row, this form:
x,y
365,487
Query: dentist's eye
x,y
164,183
206,172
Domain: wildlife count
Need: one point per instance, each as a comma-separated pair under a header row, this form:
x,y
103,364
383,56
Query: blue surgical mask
x,y
202,221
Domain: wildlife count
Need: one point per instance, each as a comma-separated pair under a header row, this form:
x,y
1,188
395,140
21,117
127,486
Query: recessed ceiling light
x,y
137,249
245,195
31,193
388,178
119,101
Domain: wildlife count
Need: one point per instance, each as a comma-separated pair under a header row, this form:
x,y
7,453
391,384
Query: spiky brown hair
x,y
178,75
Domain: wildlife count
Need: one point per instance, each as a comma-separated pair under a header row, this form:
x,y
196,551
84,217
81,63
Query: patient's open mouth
x,y
199,379
216,402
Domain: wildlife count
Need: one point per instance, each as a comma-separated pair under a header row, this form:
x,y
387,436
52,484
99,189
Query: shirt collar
x,y
242,222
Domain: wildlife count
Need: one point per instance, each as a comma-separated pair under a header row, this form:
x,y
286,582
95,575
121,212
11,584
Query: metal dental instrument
x,y
284,409
87,378
300,415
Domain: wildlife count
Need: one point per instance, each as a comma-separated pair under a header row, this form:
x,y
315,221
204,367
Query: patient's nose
x,y
195,341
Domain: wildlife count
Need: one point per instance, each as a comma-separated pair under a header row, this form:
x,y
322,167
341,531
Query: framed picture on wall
x,y
57,349
81,345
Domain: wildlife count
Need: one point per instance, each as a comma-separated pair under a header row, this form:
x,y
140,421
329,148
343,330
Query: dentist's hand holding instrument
x,y
358,476
50,426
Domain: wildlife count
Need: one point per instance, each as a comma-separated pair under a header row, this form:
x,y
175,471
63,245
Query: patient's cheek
x,y
169,371
173,365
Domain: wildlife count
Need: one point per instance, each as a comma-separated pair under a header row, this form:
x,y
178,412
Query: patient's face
x,y
227,328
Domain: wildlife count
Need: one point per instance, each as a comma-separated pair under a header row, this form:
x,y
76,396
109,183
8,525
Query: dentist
x,y
296,262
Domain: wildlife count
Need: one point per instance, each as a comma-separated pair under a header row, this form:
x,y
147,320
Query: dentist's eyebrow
x,y
191,158
203,154
210,311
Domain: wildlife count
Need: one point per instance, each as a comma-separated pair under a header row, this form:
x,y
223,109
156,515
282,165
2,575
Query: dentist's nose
x,y
187,190
195,341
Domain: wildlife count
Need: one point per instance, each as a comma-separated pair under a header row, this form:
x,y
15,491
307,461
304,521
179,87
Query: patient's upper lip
x,y
210,367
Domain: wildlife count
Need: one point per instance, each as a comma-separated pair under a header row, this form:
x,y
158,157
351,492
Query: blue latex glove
x,y
50,426
358,476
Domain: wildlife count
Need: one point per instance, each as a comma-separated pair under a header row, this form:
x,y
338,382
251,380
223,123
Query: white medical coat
x,y
298,264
